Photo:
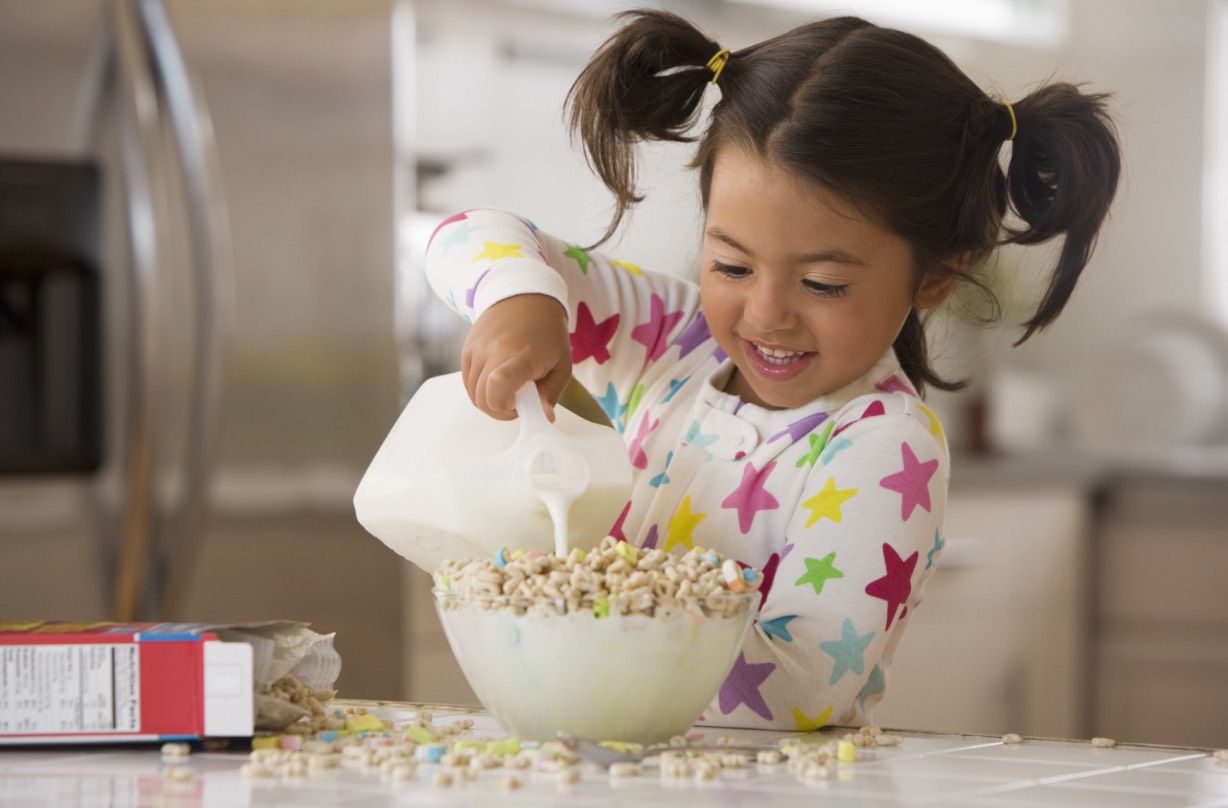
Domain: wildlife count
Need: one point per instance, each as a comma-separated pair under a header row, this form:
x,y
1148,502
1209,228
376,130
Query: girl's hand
x,y
517,340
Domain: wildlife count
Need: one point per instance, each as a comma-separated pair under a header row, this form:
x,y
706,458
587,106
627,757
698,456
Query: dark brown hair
x,y
877,115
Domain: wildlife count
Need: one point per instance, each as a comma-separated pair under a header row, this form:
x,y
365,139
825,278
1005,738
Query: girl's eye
x,y
825,289
730,270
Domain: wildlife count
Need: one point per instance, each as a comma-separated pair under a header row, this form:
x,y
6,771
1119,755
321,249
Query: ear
x,y
936,288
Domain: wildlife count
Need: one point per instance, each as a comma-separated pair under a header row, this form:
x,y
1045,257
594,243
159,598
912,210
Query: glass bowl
x,y
635,678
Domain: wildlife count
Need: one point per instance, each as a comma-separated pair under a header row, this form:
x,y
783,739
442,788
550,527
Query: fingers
x,y
499,386
551,387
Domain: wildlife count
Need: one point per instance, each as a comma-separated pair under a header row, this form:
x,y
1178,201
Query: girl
x,y
850,178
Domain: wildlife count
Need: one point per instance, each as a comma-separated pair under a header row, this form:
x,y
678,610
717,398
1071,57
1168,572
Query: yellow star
x,y
935,424
627,265
807,724
827,502
681,525
493,251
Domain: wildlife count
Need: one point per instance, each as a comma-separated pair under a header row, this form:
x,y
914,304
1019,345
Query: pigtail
x,y
645,82
1062,177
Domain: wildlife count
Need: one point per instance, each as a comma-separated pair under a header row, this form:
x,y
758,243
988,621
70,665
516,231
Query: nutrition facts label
x,y
69,688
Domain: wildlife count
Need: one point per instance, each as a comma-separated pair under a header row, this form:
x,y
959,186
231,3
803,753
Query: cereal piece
x,y
322,762
256,771
443,779
625,769
483,760
403,772
888,740
1221,756
769,757
568,777
705,771
816,773
1103,743
176,751
734,760
294,768
511,783
1011,738
178,774
846,752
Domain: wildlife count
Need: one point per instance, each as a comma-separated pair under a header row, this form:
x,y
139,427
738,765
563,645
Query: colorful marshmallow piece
x,y
601,607
846,752
517,555
503,746
419,734
532,554
628,552
363,723
711,558
501,558
266,742
750,575
430,753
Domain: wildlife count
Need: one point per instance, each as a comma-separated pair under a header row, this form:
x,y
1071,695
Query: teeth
x,y
777,357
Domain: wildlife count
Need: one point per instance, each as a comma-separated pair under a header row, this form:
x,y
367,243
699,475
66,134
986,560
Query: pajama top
x,y
839,503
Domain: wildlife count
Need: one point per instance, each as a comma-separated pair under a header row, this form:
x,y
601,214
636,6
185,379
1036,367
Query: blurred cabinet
x,y
1161,653
999,641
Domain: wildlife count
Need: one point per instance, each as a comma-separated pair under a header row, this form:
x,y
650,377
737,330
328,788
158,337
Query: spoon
x,y
550,466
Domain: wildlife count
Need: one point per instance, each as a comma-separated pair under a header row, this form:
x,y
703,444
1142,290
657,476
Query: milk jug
x,y
442,485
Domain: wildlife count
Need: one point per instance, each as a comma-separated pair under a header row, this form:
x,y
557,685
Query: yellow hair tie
x,y
717,63
1014,124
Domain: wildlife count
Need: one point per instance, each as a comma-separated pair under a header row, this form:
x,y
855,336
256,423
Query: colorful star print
x,y
693,335
819,572
769,573
912,483
674,386
817,442
650,541
662,478
935,424
653,334
635,451
742,687
693,436
681,525
750,496
939,543
875,684
834,448
495,251
610,406
876,408
848,652
633,403
892,384
896,585
458,235
456,217
591,337
578,254
778,627
807,724
800,427
472,292
617,530
827,502
634,269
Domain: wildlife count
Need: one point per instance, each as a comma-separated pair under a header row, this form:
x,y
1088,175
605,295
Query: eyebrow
x,y
836,256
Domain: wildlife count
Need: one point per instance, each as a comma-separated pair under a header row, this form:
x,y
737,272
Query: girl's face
x,y
802,291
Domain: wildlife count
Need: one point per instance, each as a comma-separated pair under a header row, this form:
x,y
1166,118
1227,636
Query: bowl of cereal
x,y
616,644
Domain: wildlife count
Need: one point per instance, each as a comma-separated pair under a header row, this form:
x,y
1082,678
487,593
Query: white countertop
x,y
925,769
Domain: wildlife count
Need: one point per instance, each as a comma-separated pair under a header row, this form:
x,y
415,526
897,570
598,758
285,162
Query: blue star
x,y
875,683
837,445
610,406
939,543
693,436
530,224
674,386
662,478
459,235
778,627
847,652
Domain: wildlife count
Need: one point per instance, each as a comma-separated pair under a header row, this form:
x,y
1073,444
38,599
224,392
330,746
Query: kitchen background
x,y
263,318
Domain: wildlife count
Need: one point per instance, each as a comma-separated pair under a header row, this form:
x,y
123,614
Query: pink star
x,y
892,384
896,585
654,334
636,450
769,574
876,408
590,337
913,482
617,530
456,217
742,687
750,496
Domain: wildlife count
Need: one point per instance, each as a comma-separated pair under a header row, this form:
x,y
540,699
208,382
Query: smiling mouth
x,y
776,356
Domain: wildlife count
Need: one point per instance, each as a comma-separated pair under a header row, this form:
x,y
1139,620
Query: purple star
x,y
654,333
650,541
719,355
800,428
750,497
470,294
892,384
742,687
913,483
694,335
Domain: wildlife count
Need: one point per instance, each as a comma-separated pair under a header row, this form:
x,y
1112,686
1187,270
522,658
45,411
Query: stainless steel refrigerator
x,y
250,361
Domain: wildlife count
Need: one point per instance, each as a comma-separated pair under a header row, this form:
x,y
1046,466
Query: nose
x,y
768,308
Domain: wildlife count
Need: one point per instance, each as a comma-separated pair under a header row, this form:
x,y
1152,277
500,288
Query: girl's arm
x,y
621,319
857,554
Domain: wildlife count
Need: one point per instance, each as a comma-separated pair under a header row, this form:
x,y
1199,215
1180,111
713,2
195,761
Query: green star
x,y
819,572
579,255
634,402
817,444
